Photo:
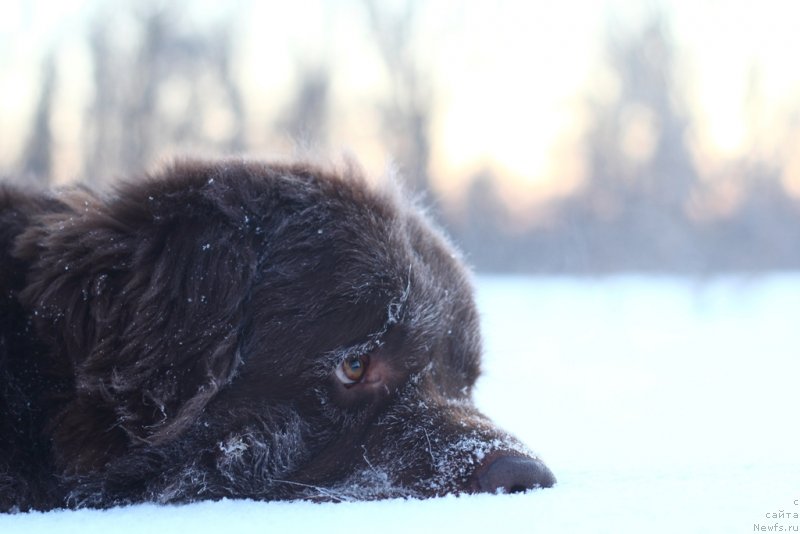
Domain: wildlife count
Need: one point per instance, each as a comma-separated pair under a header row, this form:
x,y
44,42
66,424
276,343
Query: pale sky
x,y
511,77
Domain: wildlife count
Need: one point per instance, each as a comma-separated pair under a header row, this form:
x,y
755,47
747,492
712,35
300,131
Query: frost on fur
x,y
181,338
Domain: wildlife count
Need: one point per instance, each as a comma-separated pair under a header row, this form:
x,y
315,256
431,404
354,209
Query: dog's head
x,y
265,331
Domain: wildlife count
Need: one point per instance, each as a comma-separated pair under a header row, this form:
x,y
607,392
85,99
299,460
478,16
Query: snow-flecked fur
x,y
177,340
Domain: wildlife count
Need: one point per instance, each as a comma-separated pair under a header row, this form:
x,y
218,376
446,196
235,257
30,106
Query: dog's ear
x,y
144,295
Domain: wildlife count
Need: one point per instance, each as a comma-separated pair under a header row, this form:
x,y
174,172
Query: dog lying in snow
x,y
237,329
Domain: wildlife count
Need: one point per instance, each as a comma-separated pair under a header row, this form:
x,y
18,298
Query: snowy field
x,y
662,405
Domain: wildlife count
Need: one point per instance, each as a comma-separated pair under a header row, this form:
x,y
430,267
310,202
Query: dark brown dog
x,y
238,330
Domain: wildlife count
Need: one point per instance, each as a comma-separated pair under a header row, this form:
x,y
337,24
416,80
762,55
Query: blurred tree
x,y
483,218
102,128
306,118
642,172
640,210
409,107
172,86
37,160
223,53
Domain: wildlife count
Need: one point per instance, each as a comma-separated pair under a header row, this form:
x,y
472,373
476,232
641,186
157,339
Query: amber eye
x,y
352,369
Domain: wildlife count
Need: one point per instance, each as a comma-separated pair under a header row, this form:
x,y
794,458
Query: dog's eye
x,y
352,369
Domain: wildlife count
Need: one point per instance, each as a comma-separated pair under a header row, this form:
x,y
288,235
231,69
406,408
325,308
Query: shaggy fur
x,y
179,340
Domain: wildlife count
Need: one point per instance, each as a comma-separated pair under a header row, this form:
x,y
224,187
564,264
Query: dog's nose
x,y
512,474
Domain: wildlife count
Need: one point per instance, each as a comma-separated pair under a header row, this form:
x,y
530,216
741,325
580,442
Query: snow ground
x,y
661,404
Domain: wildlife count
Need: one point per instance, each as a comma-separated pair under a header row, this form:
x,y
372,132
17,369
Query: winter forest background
x,y
586,137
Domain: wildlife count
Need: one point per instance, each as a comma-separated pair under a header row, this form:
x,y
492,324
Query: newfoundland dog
x,y
238,329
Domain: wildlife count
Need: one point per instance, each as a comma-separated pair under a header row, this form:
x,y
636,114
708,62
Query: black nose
x,y
513,474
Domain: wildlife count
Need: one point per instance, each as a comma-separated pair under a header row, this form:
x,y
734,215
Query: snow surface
x,y
662,405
